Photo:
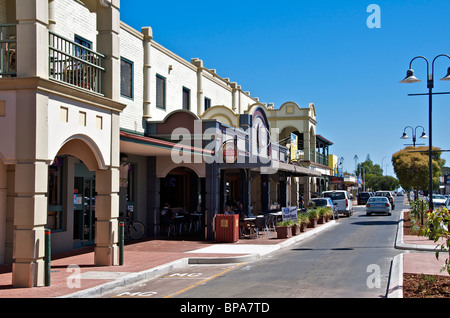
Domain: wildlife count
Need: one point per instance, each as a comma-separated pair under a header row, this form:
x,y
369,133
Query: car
x,y
363,197
438,200
327,202
387,194
342,200
378,204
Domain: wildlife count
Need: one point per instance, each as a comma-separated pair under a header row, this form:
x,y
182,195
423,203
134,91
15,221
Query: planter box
x,y
295,230
321,220
284,231
303,227
312,223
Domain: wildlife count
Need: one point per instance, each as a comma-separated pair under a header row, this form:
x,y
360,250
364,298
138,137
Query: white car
x,y
341,199
439,200
378,205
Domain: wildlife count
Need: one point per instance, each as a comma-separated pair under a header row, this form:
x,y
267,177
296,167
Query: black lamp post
x,y
410,78
414,134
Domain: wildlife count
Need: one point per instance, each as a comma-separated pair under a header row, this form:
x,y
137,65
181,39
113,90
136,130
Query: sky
x,y
323,52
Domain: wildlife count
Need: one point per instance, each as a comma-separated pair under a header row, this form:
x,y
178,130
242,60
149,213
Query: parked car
x,y
438,200
388,195
342,201
378,204
328,203
363,197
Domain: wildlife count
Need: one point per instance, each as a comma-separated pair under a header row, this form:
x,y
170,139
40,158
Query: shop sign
x,y
229,152
290,213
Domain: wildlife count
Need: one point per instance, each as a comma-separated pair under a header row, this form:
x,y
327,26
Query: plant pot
x,y
284,232
303,227
312,223
295,229
321,219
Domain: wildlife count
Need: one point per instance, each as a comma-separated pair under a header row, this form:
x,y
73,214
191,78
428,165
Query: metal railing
x,y
74,64
7,50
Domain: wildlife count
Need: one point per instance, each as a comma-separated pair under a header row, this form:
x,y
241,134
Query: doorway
x,y
84,207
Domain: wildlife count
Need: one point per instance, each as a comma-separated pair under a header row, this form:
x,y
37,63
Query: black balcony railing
x,y
7,50
75,64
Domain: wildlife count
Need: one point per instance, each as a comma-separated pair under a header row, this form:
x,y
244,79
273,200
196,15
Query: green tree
x,y
374,176
412,167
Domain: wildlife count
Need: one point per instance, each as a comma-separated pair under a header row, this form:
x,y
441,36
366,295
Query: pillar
x,y
200,95
108,43
265,192
32,36
148,36
107,214
2,212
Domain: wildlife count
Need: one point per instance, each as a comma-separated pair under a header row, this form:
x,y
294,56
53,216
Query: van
x,y
341,199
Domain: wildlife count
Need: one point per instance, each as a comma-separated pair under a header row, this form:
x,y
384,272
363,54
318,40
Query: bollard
x,y
48,256
121,241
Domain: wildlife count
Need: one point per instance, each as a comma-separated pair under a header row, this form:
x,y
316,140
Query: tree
x,y
374,176
412,167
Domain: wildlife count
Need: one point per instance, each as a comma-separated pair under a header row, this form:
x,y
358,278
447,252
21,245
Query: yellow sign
x,y
294,147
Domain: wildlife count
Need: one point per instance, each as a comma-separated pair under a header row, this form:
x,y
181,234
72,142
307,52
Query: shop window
x,y
55,195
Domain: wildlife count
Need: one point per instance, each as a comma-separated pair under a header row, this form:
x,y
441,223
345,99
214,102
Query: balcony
x,y
74,64
7,50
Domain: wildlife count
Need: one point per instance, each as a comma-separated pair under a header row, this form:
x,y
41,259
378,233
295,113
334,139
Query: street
x,y
350,260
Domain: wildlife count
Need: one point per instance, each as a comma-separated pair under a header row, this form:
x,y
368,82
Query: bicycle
x,y
133,229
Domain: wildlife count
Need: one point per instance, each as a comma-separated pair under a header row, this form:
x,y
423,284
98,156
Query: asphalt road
x,y
350,260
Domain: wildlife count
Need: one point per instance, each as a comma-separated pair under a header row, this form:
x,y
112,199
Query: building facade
x,y
99,121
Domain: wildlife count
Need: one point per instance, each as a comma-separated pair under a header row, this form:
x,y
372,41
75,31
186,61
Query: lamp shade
x,y
410,78
424,136
405,136
447,77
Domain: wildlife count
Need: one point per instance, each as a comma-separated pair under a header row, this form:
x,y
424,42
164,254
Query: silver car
x,y
378,205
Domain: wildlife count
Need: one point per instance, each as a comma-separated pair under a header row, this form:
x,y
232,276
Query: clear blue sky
x,y
320,52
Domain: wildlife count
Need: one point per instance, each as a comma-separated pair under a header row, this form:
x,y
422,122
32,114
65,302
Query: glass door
x,y
84,211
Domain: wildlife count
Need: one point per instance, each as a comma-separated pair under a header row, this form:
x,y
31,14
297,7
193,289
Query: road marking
x,y
204,281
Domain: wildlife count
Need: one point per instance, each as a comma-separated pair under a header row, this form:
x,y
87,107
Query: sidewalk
x,y
153,257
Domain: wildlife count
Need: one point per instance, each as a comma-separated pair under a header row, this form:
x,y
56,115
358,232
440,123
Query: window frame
x,y
131,63
188,91
164,88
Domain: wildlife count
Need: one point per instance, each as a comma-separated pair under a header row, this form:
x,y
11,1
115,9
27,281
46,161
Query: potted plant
x,y
284,229
295,228
322,214
313,214
303,220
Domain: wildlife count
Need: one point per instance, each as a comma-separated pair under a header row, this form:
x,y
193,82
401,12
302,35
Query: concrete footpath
x,y
73,275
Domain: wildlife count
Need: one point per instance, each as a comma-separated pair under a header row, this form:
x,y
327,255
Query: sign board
x,y
230,152
289,213
294,147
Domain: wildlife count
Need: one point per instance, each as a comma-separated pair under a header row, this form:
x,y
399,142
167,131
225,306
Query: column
x,y
212,197
200,95
265,192
107,214
30,217
32,38
2,212
108,43
148,36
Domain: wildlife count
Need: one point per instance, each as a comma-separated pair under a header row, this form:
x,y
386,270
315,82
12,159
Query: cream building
x,y
88,108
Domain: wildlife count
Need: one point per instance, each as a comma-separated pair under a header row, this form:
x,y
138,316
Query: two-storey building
x,y
98,120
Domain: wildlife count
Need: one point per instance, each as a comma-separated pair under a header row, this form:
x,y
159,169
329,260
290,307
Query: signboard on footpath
x,y
290,213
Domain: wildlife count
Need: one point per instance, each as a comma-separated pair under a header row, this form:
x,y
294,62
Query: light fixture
x,y
405,136
410,78
424,136
447,77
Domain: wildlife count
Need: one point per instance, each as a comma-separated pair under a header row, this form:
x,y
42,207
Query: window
x,y
186,98
83,42
126,78
160,92
207,103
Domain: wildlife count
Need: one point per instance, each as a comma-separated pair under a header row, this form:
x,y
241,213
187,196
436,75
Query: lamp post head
x,y
447,77
405,136
410,78
424,136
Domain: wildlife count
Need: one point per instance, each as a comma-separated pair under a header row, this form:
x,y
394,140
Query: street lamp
x,y
411,78
414,132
